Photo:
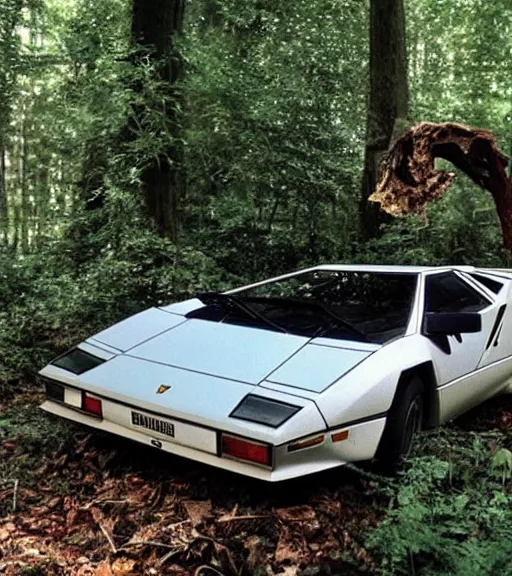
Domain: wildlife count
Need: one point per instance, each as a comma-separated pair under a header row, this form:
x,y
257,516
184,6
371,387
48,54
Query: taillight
x,y
246,450
92,405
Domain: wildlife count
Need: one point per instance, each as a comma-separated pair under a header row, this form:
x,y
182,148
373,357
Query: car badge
x,y
162,388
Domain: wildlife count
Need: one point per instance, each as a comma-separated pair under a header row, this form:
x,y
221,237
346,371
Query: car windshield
x,y
350,305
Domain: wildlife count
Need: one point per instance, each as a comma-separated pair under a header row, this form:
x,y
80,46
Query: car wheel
x,y
403,422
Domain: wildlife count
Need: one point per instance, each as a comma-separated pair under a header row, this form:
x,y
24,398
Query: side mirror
x,y
446,323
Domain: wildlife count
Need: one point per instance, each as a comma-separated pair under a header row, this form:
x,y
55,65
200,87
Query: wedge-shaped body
x,y
299,373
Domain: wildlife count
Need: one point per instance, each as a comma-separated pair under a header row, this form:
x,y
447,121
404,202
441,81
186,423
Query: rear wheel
x,y
403,422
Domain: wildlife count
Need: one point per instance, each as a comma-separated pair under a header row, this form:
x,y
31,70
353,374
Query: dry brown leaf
x,y
85,570
54,502
145,533
124,567
197,510
296,514
257,554
6,531
287,549
103,569
289,571
177,570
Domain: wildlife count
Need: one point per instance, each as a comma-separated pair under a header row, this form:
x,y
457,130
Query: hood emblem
x,y
162,388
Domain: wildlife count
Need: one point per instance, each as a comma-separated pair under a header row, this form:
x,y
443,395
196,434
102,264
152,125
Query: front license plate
x,y
153,424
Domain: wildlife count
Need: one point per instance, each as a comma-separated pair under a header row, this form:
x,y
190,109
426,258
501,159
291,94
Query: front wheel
x,y
403,422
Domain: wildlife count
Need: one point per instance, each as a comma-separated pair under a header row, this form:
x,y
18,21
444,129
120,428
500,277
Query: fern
x,y
449,516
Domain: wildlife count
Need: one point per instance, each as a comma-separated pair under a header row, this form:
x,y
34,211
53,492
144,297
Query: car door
x,y
457,356
498,345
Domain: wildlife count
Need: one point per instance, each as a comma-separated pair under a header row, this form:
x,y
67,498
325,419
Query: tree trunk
x,y
388,99
409,180
23,169
155,24
4,209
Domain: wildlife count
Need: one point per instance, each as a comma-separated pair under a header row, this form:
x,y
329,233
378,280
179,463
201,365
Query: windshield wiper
x,y
336,321
230,302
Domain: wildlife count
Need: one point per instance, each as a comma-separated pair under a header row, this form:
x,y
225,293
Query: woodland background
x,y
150,149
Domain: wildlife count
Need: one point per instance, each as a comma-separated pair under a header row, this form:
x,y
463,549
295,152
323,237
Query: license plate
x,y
153,424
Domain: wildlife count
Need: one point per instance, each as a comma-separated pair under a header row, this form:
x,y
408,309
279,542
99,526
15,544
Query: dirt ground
x,y
81,503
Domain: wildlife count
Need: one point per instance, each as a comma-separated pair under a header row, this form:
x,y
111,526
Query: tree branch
x,y
408,180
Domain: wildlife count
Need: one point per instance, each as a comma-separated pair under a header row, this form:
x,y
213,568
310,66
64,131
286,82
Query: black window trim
x,y
472,277
461,276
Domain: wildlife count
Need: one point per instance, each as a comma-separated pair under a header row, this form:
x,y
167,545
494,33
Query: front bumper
x,y
201,444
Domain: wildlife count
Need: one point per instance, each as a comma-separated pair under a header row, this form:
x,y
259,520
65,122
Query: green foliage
x,y
460,228
449,515
501,464
50,305
275,130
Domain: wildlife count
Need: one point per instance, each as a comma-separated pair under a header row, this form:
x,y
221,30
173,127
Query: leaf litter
x,y
97,505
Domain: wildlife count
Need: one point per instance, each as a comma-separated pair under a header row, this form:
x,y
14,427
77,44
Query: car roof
x,y
389,268
382,268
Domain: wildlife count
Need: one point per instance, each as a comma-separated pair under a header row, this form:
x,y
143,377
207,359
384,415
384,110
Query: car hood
x,y
237,353
240,353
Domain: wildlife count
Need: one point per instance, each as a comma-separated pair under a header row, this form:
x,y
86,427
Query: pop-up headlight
x,y
264,411
77,361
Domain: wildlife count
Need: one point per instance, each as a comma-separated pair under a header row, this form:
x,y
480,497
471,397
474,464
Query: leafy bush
x,y
50,305
450,515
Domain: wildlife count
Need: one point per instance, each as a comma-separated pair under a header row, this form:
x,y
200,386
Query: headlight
x,y
77,361
264,411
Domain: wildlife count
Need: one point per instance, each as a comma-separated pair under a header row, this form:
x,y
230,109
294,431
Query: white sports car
x,y
299,373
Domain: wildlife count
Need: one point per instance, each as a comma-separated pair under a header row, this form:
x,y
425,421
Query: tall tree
x,y
10,18
155,25
388,98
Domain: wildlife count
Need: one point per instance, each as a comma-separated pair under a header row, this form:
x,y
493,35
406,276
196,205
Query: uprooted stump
x,y
408,180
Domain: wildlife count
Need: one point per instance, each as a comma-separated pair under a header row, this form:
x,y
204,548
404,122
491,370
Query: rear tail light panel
x,y
92,405
74,398
246,450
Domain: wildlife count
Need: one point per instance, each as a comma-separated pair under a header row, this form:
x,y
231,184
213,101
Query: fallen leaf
x,y
103,569
197,510
296,514
54,502
6,531
289,571
124,567
257,554
86,570
287,549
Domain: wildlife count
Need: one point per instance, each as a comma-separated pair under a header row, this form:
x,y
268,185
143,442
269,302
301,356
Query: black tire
x,y
403,422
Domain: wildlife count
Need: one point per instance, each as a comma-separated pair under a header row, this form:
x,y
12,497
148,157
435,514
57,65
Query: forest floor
x,y
82,503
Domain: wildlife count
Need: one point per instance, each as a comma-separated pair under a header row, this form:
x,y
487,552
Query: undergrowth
x,y
450,514
48,304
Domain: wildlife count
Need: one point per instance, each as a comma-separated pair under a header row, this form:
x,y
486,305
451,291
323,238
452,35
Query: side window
x,y
446,292
493,285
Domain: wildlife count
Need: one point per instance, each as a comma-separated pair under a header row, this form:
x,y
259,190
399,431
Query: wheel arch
x,y
425,372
